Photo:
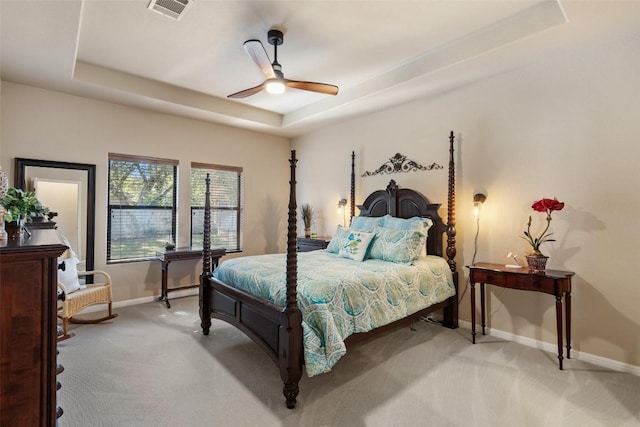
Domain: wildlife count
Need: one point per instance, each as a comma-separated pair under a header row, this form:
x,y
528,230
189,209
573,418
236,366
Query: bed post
x,y
353,186
290,357
451,311
205,292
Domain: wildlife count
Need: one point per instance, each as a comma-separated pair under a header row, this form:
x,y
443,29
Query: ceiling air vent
x,y
174,9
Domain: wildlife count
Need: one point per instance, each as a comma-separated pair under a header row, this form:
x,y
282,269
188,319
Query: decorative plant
x,y
21,204
542,205
307,213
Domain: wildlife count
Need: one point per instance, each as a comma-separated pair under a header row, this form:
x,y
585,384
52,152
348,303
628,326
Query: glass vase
x,y
17,229
3,232
4,187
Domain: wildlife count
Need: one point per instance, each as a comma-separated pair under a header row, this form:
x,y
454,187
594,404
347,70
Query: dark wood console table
x,y
166,256
554,282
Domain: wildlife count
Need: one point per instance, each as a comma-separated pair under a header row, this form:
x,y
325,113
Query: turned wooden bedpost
x,y
205,295
291,325
451,213
353,186
451,312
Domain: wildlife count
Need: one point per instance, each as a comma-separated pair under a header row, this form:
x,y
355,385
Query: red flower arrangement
x,y
543,205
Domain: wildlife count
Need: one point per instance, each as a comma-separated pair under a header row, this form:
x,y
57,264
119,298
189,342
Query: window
x,y
142,206
226,205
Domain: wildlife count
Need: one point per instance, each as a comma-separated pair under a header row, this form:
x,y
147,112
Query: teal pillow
x,y
401,246
415,223
366,223
338,240
356,244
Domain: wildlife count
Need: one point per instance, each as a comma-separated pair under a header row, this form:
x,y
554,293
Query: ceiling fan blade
x,y
256,51
247,92
313,87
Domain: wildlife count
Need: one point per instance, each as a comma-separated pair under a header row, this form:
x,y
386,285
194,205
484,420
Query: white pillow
x,y
69,277
356,244
69,253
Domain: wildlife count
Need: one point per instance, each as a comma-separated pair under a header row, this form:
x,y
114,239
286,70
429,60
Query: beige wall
x,y
41,124
565,126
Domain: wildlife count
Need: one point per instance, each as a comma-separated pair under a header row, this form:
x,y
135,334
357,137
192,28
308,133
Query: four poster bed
x,y
328,297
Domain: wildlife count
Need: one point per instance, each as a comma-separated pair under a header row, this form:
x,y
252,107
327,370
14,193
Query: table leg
x,y
567,310
473,312
164,295
482,308
559,327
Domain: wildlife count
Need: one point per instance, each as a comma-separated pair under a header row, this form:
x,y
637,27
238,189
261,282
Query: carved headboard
x,y
406,203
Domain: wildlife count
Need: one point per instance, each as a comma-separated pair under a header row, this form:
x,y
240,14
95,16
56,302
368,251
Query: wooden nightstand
x,y
306,244
554,282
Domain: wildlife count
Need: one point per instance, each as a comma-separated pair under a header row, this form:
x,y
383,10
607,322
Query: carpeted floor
x,y
153,367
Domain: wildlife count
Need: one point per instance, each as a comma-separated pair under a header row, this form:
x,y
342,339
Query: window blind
x,y
226,205
142,206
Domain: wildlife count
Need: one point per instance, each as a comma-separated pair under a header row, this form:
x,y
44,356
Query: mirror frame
x,y
20,182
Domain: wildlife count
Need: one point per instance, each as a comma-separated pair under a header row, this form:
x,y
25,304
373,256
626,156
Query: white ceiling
x,y
380,53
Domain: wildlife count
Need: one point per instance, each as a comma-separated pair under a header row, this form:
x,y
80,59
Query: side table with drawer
x,y
554,282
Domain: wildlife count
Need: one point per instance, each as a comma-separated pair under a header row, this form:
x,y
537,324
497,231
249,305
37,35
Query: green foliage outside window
x,y
142,207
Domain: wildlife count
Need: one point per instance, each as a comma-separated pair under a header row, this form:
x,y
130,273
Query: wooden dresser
x,y
28,285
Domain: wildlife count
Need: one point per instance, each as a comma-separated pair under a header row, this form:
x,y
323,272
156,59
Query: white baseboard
x,y
143,300
553,348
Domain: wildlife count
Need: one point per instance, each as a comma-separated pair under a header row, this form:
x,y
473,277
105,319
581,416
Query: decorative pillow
x,y
338,239
69,277
415,223
401,246
69,253
355,245
366,223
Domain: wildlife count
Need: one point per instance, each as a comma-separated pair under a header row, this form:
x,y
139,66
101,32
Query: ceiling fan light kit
x,y
274,87
275,82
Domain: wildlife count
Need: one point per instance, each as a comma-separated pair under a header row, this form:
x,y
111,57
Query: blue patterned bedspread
x,y
339,296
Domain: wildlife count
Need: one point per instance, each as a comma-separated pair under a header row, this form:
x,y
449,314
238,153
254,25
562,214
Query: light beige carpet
x,y
153,367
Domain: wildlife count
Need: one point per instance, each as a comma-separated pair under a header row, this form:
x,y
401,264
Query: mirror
x,y
70,190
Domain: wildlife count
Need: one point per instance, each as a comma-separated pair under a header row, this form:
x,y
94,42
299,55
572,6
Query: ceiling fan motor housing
x,y
275,37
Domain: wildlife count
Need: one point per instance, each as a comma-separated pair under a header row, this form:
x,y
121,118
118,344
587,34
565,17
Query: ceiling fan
x,y
275,82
